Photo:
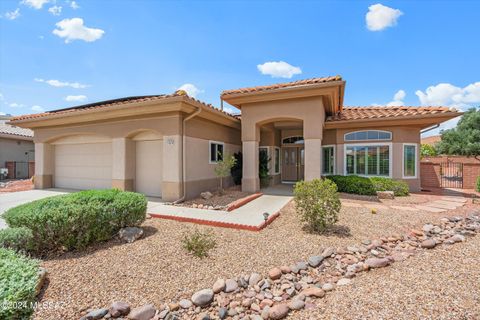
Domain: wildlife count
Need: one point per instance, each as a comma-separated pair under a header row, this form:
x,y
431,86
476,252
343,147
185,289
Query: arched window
x,y
294,139
368,135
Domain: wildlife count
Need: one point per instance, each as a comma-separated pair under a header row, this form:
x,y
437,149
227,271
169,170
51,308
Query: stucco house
x,y
16,150
167,145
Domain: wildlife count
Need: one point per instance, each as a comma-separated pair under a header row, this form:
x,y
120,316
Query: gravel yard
x,y
230,194
156,268
440,284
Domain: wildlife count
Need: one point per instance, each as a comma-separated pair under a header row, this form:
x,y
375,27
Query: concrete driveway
x,y
13,199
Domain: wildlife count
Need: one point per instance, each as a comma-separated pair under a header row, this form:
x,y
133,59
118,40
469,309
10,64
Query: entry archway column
x,y
250,143
44,165
123,165
313,134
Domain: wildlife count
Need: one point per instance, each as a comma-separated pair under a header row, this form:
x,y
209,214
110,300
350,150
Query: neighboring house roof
x,y
6,129
281,85
431,140
116,102
367,113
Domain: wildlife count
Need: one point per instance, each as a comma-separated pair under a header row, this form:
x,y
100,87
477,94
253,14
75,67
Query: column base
x,y
250,185
171,191
43,181
123,184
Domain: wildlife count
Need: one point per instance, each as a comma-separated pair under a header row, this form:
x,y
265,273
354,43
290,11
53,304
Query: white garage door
x,y
83,166
148,173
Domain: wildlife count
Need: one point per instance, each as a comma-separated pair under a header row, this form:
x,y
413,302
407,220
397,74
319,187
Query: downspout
x,y
184,159
429,129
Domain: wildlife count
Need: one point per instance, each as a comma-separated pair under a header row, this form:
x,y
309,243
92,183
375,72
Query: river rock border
x,y
289,288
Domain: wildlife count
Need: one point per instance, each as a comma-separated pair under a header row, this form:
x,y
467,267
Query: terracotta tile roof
x,y
114,103
366,113
15,131
281,85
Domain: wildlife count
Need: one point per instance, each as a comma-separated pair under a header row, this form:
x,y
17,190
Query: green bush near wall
x,y
18,282
369,185
478,184
76,220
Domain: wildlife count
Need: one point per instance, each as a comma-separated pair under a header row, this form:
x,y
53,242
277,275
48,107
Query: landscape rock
x,y
219,286
254,279
428,244
457,238
130,234
185,303
203,297
328,252
145,312
96,314
328,287
206,195
315,261
343,282
119,309
296,304
278,311
275,273
231,285
313,291
42,277
377,262
385,195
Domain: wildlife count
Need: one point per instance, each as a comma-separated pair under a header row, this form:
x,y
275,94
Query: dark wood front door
x,y
293,161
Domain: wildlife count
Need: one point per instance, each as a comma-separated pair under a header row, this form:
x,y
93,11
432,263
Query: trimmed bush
x,y
18,280
76,220
478,183
318,203
199,243
369,185
18,239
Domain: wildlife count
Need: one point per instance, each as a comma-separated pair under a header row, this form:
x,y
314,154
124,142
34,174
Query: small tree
x,y
317,202
427,150
223,167
464,139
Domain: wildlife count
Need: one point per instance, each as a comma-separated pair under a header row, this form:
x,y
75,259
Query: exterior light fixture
x,y
265,216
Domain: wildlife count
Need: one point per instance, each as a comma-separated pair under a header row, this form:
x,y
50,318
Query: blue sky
x,y
124,48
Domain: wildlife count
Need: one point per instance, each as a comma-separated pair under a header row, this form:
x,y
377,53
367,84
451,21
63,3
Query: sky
x,y
58,53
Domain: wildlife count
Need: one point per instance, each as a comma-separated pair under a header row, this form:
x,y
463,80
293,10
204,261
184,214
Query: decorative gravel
x,y
435,284
156,268
229,195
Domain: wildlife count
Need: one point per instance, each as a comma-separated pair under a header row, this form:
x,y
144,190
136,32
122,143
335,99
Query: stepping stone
x,y
351,204
405,208
450,203
435,204
430,209
455,199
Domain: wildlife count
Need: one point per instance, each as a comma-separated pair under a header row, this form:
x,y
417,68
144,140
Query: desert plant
x,y
317,202
237,169
369,185
199,243
263,170
18,282
76,220
399,188
427,150
223,168
18,239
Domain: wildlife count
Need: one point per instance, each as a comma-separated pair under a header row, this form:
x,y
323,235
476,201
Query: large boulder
x,y
130,234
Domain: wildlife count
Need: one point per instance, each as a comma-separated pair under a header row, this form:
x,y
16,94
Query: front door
x,y
292,163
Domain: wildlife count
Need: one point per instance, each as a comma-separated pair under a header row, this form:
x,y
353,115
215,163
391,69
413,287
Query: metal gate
x,y
451,175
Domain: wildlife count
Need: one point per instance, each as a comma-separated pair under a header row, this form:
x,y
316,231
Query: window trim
x,y
334,159
210,142
416,160
368,144
385,131
279,160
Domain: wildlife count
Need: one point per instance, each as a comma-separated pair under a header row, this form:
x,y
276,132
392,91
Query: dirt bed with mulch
x,y
218,200
157,269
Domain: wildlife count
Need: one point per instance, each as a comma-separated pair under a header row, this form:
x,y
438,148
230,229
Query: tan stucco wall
x,y
14,150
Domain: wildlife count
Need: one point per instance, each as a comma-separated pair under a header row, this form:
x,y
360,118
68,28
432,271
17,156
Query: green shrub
x,y
236,170
263,170
18,239
478,183
399,188
318,203
18,281
76,220
199,243
369,185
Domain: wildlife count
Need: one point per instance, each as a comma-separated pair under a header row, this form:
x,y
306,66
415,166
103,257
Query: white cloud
x,y
2,113
73,29
58,83
12,15
397,99
191,89
16,105
55,10
278,69
231,110
36,4
37,109
380,17
2,97
448,95
78,98
74,5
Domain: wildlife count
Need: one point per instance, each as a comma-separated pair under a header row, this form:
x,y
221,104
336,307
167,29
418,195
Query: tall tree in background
x,y
465,138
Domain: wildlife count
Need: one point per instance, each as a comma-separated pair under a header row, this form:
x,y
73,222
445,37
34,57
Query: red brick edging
x,y
219,223
243,201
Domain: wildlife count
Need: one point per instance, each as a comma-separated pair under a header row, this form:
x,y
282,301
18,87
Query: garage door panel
x,y
83,166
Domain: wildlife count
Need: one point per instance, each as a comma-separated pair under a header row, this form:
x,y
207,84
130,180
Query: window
x,y
409,160
277,160
368,135
328,160
367,160
296,140
216,151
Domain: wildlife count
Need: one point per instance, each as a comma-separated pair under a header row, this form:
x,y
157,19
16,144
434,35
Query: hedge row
x,y
369,185
72,221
